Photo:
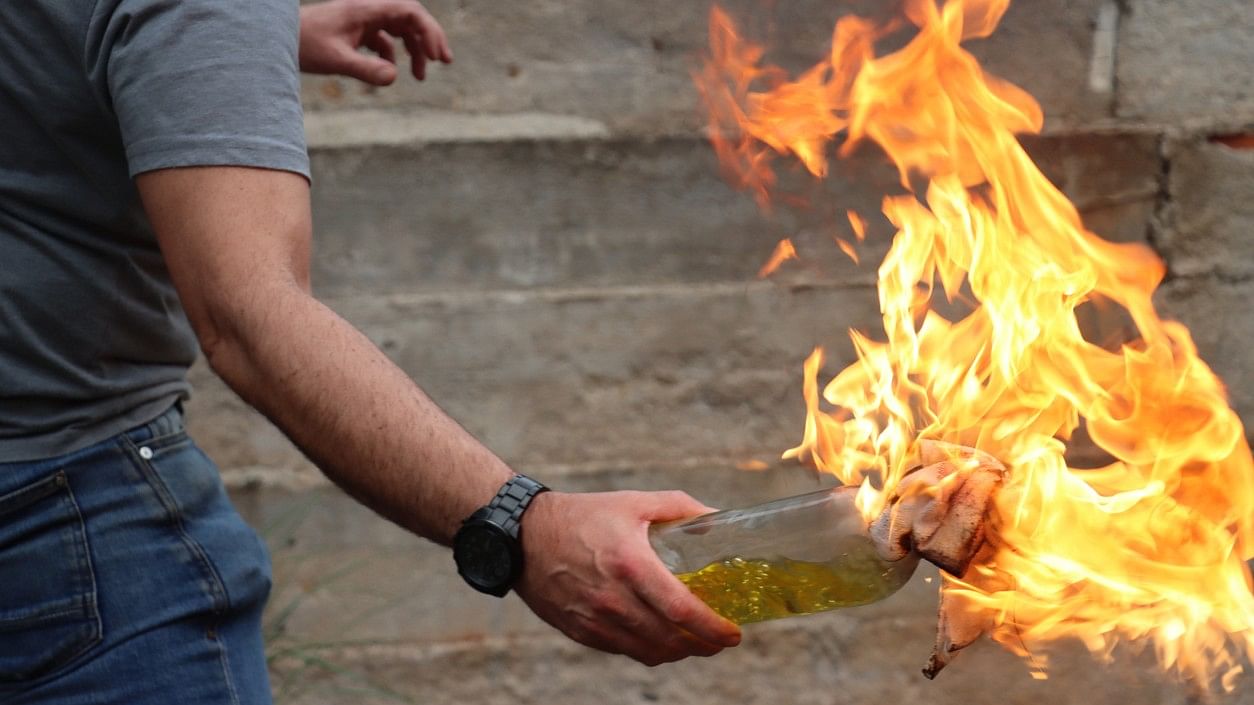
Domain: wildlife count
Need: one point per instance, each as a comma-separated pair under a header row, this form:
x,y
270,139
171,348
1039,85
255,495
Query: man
x,y
154,196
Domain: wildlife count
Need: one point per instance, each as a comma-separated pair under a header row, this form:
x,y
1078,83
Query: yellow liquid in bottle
x,y
748,590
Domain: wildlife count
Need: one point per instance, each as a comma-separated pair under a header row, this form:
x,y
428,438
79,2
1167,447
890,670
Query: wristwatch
x,y
488,548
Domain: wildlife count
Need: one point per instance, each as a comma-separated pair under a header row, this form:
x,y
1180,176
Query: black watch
x,y
488,548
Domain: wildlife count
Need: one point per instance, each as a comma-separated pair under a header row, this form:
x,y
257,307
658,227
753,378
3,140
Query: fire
x,y
1150,548
783,252
858,224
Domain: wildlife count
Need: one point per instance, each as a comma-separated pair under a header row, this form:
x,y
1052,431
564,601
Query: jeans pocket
x,y
48,611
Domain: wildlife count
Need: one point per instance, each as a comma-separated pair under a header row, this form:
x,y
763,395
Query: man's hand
x,y
332,32
590,572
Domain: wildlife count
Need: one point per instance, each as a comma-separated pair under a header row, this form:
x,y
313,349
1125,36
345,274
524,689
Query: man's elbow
x,y
232,328
219,340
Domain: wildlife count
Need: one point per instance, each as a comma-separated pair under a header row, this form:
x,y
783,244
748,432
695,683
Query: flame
x,y
1150,548
847,247
858,224
783,252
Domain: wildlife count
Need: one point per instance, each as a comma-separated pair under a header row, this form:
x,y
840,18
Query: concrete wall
x,y
539,236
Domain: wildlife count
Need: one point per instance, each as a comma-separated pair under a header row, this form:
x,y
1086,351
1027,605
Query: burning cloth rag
x,y
938,510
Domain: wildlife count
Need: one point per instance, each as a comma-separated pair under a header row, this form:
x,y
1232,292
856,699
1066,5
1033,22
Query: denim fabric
x,y
127,577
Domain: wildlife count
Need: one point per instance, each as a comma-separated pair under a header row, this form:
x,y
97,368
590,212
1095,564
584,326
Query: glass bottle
x,y
797,555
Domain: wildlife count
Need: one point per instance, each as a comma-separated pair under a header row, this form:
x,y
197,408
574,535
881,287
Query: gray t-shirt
x,y
92,92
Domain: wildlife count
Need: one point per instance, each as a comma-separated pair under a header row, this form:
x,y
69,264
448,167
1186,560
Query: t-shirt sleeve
x,y
206,83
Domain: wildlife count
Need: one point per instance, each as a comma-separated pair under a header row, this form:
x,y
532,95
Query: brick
x,y
1099,168
1044,47
1218,315
1128,221
1210,229
1186,60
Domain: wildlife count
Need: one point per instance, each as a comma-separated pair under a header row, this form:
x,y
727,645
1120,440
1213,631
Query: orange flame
x,y
1151,546
847,248
783,252
858,224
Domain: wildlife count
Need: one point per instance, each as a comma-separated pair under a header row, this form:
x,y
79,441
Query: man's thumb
x,y
371,69
671,505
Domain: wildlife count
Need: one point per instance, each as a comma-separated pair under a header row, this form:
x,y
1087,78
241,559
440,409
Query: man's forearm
x,y
353,412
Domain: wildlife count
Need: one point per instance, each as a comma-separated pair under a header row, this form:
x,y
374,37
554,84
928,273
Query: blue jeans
x,y
127,577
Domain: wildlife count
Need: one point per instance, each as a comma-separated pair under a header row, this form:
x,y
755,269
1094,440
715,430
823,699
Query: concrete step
x,y
626,64
813,661
860,655
500,204
358,593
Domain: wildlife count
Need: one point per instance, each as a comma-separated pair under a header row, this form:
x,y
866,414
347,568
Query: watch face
x,y
484,556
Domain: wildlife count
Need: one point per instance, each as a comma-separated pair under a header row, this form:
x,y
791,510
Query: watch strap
x,y
507,507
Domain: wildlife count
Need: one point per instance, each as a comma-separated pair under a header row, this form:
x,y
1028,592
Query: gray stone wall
x,y
540,237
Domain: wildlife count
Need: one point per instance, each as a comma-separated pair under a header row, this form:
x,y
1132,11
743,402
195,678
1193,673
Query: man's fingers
x,y
663,592
665,639
374,70
679,646
669,643
647,638
413,45
667,506
607,589
380,43
433,39
422,33
443,49
615,640
677,605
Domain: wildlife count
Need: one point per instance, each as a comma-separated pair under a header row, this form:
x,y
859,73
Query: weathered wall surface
x,y
539,236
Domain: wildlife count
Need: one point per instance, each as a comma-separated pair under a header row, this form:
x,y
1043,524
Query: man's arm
x,y
237,244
